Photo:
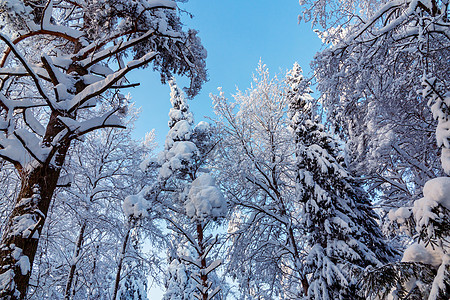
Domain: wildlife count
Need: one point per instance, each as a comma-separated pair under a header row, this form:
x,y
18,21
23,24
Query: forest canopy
x,y
328,185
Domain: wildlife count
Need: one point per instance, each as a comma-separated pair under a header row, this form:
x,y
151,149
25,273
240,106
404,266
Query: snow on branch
x,y
11,105
36,32
177,228
191,260
108,52
205,200
31,143
22,148
47,15
439,102
29,69
21,71
214,293
77,128
101,86
152,4
212,266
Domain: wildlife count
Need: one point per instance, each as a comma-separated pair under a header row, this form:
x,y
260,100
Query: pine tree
x,y
342,231
190,199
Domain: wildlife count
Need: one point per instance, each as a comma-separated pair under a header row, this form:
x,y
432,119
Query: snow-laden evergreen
x,y
190,203
342,231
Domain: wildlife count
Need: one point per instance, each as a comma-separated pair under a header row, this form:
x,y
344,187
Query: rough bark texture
x,y
20,239
203,276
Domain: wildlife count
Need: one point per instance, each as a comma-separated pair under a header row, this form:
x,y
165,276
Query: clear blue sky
x,y
236,35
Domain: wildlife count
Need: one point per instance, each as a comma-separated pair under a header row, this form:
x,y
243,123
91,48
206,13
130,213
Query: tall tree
x,y
341,226
60,61
256,169
388,61
369,77
190,201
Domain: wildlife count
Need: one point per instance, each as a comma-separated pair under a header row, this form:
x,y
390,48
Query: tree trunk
x,y
20,239
122,256
73,263
303,279
203,276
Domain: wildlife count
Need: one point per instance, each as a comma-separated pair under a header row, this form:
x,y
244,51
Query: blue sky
x,y
236,35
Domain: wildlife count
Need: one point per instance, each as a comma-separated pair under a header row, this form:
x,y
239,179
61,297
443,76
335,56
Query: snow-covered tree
x,y
255,163
178,283
425,268
301,225
342,230
387,63
58,59
341,226
81,243
189,201
369,77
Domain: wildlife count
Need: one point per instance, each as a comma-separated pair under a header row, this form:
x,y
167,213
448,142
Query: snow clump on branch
x,y
204,199
135,206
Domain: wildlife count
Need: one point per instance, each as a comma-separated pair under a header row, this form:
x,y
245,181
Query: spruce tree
x,y
341,227
191,202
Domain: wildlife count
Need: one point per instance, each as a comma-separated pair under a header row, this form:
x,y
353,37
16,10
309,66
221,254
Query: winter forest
x,y
321,186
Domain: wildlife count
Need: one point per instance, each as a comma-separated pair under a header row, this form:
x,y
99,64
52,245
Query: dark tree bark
x,y
20,239
203,276
73,263
122,256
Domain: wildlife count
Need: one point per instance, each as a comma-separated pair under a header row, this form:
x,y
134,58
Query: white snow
x,y
439,282
7,280
213,266
400,215
24,264
443,134
101,70
445,160
136,206
23,225
14,150
34,124
32,144
419,253
438,190
181,131
205,200
159,3
179,156
435,192
110,79
47,13
202,126
107,119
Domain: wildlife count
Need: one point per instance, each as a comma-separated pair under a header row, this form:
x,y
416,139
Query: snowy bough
x,y
341,226
188,199
58,59
387,64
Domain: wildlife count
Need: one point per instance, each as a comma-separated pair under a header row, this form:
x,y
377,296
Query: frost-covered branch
x,y
99,87
29,70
